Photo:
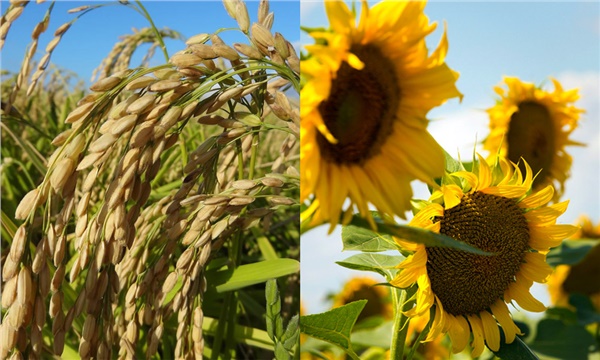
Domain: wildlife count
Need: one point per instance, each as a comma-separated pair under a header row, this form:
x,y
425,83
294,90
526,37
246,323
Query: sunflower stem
x,y
400,330
415,346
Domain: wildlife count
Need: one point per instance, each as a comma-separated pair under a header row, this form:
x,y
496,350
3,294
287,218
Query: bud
x,y
281,46
263,10
242,17
262,35
268,21
247,50
230,6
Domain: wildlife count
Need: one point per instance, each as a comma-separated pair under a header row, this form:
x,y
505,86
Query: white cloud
x,y
458,132
582,187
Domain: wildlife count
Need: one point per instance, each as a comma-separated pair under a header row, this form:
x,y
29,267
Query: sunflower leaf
x,y
570,252
379,263
361,239
417,235
564,341
452,165
379,336
517,350
586,313
334,326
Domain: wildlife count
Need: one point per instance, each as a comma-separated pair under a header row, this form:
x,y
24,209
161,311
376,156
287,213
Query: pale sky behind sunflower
x,y
532,41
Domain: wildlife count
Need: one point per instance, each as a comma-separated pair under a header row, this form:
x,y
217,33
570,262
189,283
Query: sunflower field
x,y
153,212
455,269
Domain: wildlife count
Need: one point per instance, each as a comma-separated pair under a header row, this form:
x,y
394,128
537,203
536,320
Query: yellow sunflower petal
x,y
438,323
490,329
520,293
340,17
417,260
452,196
423,217
425,297
469,176
364,17
459,333
405,278
546,215
309,211
355,62
369,189
535,267
338,191
484,173
538,199
507,191
412,268
477,329
502,314
439,54
543,238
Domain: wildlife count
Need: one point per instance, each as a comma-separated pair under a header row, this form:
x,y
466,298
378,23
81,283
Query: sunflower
x,y
535,124
432,350
493,209
579,277
367,90
364,288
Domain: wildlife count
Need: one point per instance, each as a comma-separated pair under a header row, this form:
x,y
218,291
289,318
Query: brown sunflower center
x,y
531,136
361,108
375,302
578,280
467,283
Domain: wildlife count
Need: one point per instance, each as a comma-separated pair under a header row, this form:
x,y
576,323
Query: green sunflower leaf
x,y
334,326
379,263
379,336
586,313
452,165
570,252
361,239
417,235
564,341
517,350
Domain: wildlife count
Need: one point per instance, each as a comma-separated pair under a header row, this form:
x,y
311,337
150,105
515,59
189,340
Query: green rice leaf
x,y
251,274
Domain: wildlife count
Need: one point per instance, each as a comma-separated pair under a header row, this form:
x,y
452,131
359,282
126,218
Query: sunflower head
x,y
367,90
578,278
364,288
586,229
531,123
494,209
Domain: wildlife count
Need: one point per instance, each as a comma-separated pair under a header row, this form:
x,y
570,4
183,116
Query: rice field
x,y
151,213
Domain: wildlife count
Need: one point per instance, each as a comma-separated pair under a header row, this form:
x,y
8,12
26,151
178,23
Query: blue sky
x,y
92,37
531,40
